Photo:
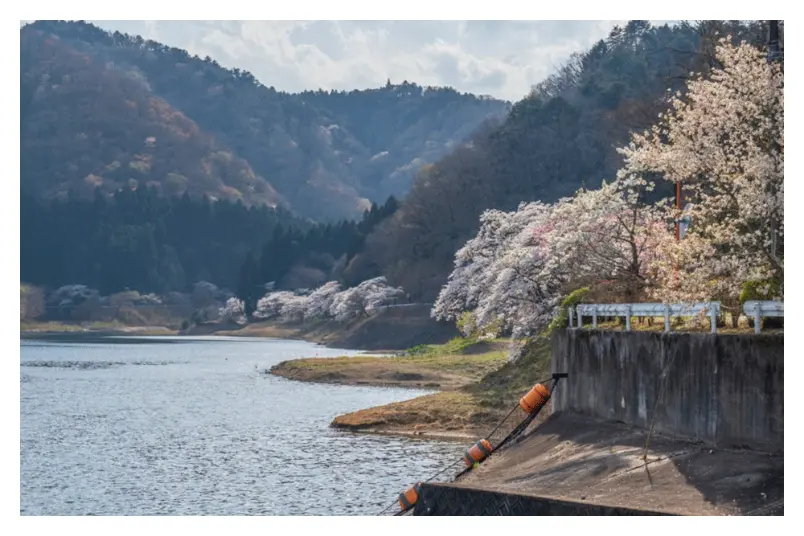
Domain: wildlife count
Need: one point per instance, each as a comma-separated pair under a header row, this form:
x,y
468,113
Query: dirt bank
x,y
478,387
388,329
43,330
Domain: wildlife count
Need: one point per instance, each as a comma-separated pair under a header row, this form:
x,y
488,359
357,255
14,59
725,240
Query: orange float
x,y
408,498
535,399
477,453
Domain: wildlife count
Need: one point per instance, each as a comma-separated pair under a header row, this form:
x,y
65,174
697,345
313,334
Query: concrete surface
x,y
585,460
727,390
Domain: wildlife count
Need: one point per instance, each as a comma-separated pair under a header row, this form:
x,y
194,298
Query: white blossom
x,y
234,310
321,300
724,142
270,305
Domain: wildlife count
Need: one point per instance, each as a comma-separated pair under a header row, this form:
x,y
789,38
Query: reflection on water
x,y
118,427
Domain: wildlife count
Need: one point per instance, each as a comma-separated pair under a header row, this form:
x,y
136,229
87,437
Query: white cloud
x,y
500,58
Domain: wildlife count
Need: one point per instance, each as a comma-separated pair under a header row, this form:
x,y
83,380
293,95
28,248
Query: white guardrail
x,y
759,309
667,310
752,309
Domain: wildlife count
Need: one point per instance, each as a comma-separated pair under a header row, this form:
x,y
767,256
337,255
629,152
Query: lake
x,y
191,426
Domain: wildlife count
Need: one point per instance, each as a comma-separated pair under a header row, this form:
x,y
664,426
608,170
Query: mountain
x,y
560,137
108,110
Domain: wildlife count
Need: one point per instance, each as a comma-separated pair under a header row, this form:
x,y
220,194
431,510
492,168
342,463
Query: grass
x,y
470,411
448,366
457,345
32,325
74,327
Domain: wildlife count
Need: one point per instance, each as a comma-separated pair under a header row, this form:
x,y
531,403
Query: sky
x,y
498,58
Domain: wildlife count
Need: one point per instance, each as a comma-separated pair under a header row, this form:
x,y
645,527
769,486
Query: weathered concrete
x,y
573,460
446,500
727,390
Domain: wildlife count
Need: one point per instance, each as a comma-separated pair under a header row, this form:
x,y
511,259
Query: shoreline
x,y
472,384
466,410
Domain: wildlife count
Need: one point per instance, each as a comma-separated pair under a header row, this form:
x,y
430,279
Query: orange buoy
x,y
408,498
477,453
535,399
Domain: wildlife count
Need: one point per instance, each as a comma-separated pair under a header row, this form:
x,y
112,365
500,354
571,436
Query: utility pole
x,y
774,54
774,49
678,208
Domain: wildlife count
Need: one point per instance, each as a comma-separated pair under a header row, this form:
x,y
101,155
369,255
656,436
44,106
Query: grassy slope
x,y
490,387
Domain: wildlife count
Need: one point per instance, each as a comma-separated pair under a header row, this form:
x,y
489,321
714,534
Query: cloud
x,y
499,58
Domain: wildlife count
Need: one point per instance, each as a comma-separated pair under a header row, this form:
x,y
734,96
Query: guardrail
x,y
397,305
759,309
667,310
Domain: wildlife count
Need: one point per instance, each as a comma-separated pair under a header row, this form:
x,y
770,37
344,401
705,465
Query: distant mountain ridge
x,y
108,110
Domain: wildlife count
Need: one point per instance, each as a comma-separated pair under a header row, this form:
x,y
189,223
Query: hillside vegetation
x,y
108,110
560,137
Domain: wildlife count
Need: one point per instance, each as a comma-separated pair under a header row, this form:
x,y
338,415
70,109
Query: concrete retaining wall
x,y
446,500
727,390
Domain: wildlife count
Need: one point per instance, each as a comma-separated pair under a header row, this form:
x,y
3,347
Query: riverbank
x,y
40,330
386,331
396,328
437,367
475,383
478,387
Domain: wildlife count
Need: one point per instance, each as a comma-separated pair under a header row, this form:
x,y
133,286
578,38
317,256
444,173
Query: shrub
x,y
561,319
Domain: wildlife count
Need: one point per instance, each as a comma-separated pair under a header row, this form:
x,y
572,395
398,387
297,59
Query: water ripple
x,y
207,436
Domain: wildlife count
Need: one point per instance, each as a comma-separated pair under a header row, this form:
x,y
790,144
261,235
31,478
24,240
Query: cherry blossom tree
x,y
377,293
234,310
515,272
473,276
502,274
608,234
724,142
522,285
327,301
270,306
347,304
363,299
294,307
320,300
467,281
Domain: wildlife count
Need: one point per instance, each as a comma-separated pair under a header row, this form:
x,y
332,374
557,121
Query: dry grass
x,y
471,411
34,326
30,326
444,371
456,413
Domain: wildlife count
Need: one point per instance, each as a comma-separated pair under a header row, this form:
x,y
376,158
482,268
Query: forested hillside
x,y
140,240
111,110
135,140
562,136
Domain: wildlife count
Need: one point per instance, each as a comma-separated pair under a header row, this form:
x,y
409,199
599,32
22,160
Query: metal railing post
x,y
628,318
757,319
666,318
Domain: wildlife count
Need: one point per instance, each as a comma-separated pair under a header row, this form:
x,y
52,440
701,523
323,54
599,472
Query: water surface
x,y
179,426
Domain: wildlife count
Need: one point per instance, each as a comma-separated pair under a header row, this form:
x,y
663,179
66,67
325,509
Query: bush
x,y
760,290
561,320
467,325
